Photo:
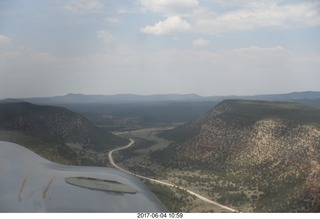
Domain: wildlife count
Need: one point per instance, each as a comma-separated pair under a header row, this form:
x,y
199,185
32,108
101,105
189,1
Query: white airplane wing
x,y
30,183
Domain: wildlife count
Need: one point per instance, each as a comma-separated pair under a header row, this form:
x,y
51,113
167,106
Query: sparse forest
x,y
254,156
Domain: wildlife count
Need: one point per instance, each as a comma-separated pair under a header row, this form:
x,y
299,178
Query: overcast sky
x,y
206,47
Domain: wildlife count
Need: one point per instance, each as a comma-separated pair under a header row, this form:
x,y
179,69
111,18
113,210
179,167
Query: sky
x,y
204,47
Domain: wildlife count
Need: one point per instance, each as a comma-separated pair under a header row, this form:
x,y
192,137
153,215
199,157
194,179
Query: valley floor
x,y
137,160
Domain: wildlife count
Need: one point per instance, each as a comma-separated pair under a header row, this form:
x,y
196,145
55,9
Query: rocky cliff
x,y
272,146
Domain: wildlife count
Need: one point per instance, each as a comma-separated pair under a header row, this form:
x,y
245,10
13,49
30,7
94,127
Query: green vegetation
x,y
137,159
268,145
174,199
50,132
247,112
130,116
251,155
56,124
181,133
139,144
50,150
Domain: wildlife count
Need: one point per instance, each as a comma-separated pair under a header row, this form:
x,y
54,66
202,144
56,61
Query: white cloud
x,y
237,15
174,24
201,42
4,39
105,36
249,70
125,10
169,7
112,20
262,58
247,3
263,16
255,49
84,6
270,16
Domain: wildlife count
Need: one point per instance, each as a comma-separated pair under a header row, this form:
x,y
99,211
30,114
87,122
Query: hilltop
x,y
71,98
131,111
54,132
264,154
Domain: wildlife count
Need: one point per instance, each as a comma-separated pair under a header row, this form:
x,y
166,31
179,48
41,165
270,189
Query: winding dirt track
x,y
161,182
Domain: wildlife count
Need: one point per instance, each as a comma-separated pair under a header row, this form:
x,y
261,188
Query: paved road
x,y
161,182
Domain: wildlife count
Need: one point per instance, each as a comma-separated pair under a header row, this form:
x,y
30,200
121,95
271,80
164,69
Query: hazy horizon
x,y
147,47
85,94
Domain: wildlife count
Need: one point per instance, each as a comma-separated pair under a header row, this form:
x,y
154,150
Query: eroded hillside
x,y
56,133
271,146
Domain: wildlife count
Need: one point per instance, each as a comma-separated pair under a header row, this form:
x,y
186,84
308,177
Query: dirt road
x,y
162,182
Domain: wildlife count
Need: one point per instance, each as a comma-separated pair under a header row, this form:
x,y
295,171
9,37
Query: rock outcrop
x,y
269,145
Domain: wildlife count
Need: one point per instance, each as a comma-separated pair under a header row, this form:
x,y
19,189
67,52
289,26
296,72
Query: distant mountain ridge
x,y
118,98
125,98
130,111
272,146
